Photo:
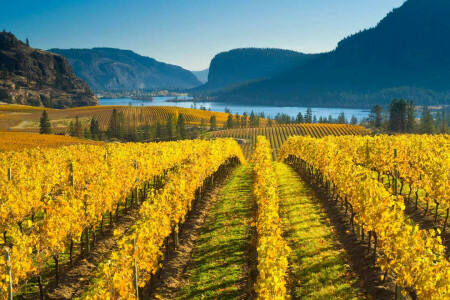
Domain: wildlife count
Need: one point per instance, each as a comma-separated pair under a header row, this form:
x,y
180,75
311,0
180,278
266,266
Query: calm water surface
x,y
240,108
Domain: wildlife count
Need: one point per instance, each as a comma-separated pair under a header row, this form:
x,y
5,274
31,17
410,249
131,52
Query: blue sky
x,y
190,32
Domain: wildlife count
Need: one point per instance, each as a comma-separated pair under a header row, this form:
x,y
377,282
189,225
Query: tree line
x,y
404,117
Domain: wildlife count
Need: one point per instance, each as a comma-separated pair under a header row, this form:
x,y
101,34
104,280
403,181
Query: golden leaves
x,y
272,248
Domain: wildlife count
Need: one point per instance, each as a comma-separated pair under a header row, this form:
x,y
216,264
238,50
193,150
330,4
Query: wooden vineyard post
x,y
9,174
395,173
176,239
398,293
135,272
136,196
7,257
358,230
72,177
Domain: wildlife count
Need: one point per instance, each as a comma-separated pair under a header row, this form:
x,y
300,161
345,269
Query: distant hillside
x,y
405,56
115,69
241,66
34,77
201,75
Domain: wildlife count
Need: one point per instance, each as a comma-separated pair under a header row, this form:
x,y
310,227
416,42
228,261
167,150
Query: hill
x,y
34,77
26,119
115,69
404,56
240,66
202,75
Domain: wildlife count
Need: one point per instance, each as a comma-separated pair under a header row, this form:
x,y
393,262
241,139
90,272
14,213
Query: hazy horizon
x,y
190,34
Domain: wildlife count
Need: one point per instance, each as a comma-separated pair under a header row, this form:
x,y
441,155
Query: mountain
x,y
405,56
201,75
115,69
34,77
240,66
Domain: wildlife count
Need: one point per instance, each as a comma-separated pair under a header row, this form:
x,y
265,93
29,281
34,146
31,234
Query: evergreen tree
x,y
230,122
213,123
71,129
314,119
376,116
300,118
202,126
269,122
427,121
443,125
78,128
181,128
410,117
342,119
244,120
257,120
45,126
159,134
94,129
308,115
116,124
170,129
252,119
397,116
27,42
237,121
354,120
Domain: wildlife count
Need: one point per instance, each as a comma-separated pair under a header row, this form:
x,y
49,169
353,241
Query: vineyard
x,y
278,134
18,141
195,219
26,118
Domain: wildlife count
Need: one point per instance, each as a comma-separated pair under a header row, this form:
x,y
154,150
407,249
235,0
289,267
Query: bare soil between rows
x,y
75,281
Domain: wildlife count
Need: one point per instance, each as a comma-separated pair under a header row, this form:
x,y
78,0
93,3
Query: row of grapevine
x,y
52,198
420,161
278,134
416,257
139,254
272,249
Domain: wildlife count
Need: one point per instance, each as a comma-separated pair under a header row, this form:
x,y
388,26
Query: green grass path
x,y
318,266
218,269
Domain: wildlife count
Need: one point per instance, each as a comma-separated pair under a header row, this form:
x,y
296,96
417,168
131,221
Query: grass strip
x,y
319,267
219,265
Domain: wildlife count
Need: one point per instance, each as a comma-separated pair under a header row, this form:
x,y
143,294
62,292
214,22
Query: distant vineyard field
x,y
26,119
16,141
278,134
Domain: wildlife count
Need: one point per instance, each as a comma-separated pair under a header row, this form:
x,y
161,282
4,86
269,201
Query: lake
x,y
240,108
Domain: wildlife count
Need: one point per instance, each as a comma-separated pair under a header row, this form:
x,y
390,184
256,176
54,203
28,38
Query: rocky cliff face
x,y
34,77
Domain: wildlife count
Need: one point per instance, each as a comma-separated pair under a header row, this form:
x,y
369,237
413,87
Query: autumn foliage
x,y
272,249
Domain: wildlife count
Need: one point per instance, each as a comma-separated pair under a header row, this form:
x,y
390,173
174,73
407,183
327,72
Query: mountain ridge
x,y
35,77
404,56
240,66
107,68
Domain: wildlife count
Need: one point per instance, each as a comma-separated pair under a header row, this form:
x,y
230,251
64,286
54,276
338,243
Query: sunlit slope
x,y
17,141
26,118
